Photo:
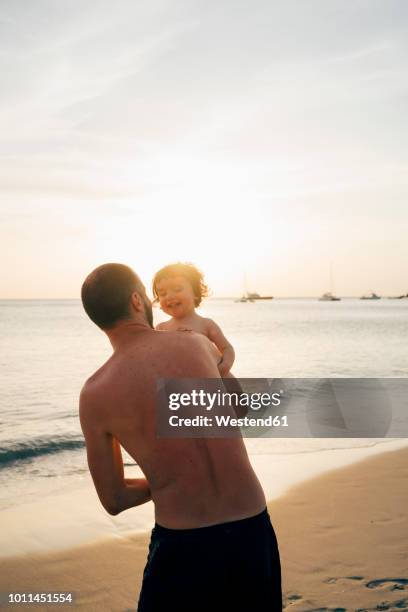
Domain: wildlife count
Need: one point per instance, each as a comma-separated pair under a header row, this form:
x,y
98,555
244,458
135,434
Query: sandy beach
x,y
342,537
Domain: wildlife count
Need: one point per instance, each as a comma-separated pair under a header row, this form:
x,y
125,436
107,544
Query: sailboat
x,y
244,298
328,295
251,296
256,296
372,296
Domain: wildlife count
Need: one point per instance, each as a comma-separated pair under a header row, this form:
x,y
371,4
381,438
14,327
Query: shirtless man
x,y
213,546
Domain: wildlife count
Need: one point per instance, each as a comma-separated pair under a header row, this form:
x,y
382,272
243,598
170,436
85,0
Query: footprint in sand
x,y
402,604
395,583
290,599
327,610
294,597
334,580
391,606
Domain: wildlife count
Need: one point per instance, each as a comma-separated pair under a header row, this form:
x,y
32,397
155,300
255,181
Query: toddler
x,y
179,288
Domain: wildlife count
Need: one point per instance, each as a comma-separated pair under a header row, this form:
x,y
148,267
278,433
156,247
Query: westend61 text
x,y
227,421
206,400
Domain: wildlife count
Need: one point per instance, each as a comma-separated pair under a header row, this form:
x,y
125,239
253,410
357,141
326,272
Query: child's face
x,y
176,296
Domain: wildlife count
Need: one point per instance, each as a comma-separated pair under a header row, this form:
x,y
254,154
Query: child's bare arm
x,y
223,345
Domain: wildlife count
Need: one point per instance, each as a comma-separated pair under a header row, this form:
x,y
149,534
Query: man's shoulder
x,y
186,339
93,389
89,391
192,353
163,326
96,377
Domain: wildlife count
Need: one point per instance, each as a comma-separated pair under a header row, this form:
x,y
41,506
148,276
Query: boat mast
x,y
245,284
331,278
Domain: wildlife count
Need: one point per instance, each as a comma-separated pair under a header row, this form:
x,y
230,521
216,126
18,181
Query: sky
x,y
264,141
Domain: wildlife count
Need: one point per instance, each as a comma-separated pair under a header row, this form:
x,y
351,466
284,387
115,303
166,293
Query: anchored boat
x,y
371,296
329,297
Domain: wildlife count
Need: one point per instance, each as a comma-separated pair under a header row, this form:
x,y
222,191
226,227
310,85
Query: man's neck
x,y
126,332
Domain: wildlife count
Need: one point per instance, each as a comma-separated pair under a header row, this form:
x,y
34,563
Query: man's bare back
x,y
193,482
211,521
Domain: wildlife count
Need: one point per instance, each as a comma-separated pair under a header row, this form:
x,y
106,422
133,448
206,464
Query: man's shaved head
x,y
106,294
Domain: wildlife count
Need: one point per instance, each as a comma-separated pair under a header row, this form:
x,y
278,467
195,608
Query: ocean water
x,y
49,348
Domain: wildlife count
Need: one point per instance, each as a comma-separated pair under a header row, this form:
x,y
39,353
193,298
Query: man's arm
x,y
105,462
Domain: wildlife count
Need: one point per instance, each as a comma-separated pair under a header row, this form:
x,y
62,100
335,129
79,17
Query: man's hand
x,y
116,493
136,492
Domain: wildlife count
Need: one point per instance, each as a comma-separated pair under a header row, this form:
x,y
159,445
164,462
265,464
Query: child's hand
x,y
223,367
225,348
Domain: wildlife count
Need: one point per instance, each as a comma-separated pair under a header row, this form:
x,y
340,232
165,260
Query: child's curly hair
x,y
186,270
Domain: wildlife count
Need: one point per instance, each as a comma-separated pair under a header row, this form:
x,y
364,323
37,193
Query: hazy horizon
x,y
213,297
264,142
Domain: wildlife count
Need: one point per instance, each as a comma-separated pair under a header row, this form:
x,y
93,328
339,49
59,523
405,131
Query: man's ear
x,y
136,302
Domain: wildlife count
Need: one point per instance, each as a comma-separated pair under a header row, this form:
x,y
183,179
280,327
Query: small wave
x,y
22,451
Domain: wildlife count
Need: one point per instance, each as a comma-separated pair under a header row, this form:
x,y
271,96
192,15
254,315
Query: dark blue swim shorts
x,y
226,567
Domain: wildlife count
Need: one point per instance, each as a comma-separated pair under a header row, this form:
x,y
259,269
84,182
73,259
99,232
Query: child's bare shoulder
x,y
164,326
211,326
